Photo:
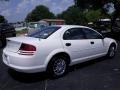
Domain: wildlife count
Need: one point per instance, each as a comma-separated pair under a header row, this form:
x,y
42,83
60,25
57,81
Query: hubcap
x,y
112,51
59,67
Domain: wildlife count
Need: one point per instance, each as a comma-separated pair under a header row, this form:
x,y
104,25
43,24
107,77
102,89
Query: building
x,y
54,21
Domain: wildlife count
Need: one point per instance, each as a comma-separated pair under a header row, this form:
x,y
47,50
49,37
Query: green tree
x,y
94,15
2,19
99,4
86,4
73,16
40,12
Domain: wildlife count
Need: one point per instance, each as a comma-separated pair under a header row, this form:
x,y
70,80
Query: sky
x,y
16,10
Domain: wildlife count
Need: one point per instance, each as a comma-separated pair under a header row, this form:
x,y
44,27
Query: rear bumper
x,y
26,69
26,64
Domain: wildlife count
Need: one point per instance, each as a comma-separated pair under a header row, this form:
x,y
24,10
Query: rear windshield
x,y
44,33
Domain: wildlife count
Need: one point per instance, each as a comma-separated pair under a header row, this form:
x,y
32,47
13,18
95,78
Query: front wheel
x,y
111,51
58,66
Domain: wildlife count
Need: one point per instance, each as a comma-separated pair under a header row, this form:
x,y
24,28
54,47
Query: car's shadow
x,y
27,77
36,77
87,64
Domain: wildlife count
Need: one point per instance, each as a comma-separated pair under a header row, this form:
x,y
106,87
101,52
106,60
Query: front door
x,y
96,40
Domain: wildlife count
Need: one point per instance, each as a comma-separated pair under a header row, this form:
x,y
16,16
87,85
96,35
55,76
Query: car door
x,y
96,42
75,43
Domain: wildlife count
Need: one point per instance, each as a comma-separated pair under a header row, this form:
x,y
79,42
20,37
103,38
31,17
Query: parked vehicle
x,y
6,30
36,26
56,48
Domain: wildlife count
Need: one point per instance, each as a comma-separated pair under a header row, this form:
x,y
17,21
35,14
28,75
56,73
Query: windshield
x,y
44,33
33,25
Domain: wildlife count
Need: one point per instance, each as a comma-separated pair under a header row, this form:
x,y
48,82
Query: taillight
x,y
27,49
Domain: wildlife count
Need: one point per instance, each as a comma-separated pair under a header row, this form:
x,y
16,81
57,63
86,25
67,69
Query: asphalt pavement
x,y
98,74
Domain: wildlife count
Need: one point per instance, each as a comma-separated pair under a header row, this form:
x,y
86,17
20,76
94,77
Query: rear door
x,y
74,41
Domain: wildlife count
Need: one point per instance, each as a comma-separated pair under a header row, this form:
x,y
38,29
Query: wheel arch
x,y
113,44
109,42
63,54
53,54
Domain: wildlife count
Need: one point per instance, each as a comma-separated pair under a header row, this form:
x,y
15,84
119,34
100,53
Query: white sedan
x,y
56,48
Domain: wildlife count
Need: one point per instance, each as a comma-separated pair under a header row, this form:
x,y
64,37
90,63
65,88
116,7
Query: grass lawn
x,y
24,31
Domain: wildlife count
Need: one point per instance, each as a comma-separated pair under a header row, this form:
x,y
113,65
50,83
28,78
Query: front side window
x,y
74,34
90,34
44,33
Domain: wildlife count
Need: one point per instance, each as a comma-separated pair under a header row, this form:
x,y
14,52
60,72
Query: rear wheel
x,y
58,66
111,51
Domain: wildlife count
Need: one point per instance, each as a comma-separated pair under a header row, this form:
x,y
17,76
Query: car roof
x,y
71,26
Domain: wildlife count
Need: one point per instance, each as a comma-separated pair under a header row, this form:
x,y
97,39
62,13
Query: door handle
x,y
68,44
92,42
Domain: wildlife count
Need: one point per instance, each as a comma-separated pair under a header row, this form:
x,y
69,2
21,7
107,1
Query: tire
x,y
111,51
57,67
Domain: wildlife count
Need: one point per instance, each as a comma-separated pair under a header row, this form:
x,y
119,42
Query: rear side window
x,y
74,34
44,33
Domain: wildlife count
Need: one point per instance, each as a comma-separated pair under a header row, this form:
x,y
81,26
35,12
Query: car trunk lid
x,y
14,44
